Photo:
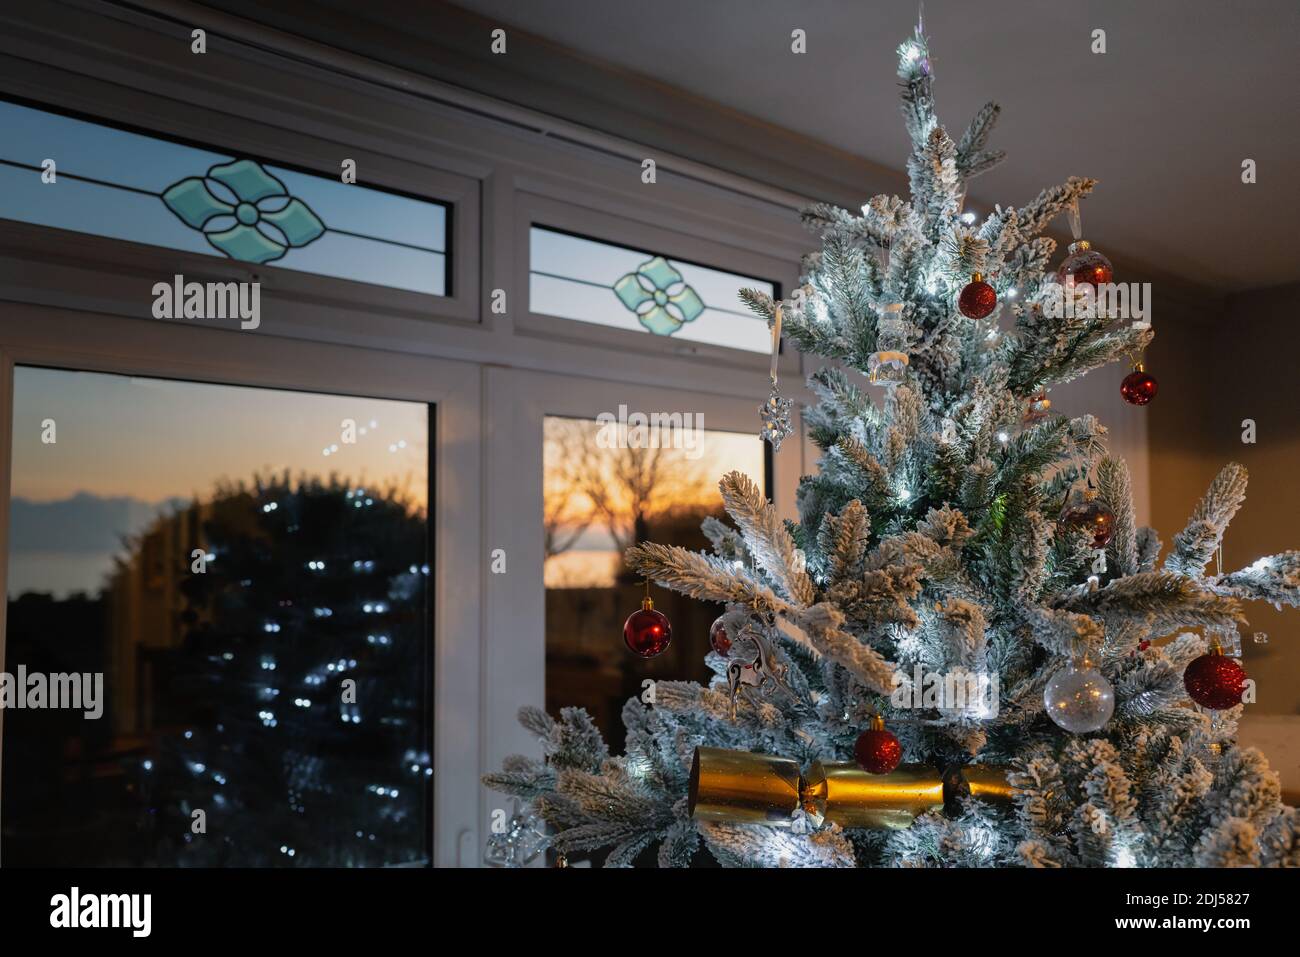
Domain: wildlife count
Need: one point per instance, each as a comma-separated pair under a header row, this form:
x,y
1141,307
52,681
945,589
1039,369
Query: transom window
x,y
77,175
592,281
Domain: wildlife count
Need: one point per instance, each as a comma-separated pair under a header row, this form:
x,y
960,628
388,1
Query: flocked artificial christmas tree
x,y
956,527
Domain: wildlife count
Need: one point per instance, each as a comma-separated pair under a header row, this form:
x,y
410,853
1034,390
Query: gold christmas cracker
x,y
740,787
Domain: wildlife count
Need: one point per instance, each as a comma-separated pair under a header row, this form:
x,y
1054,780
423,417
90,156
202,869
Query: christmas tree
x,y
966,652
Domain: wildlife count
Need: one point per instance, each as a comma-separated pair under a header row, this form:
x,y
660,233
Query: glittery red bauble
x,y
1215,681
977,299
877,751
718,639
1139,387
1092,516
647,632
1085,265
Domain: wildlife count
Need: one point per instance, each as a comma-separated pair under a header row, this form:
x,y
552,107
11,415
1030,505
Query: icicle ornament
x,y
775,412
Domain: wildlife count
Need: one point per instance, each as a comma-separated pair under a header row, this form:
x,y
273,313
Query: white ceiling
x,y
1186,91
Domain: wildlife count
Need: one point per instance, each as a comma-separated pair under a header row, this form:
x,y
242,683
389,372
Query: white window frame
x,y
532,210
308,304
45,336
514,609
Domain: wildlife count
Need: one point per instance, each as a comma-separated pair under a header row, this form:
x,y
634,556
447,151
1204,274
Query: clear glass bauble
x,y
1085,266
1079,698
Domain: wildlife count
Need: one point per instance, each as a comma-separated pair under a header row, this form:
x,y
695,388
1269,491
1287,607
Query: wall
x,y
1212,377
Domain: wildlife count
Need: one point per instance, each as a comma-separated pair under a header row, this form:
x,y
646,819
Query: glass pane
x,y
235,582
576,278
122,185
598,499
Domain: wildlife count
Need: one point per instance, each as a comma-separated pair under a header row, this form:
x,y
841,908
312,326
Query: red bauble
x,y
1139,386
1085,266
977,298
1039,409
877,751
647,632
1215,681
719,641
1091,515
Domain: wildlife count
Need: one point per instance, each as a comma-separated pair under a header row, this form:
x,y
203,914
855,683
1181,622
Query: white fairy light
x,y
1123,855
820,312
982,840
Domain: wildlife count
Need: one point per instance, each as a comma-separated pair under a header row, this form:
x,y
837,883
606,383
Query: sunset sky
x,y
687,480
152,440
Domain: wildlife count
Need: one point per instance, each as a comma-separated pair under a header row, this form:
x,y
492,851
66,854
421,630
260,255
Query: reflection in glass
x,y
248,570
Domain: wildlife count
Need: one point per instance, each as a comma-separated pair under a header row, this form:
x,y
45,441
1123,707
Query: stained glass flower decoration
x,y
659,296
244,211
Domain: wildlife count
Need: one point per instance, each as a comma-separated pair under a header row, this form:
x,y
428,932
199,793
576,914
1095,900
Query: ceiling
x,y
1185,92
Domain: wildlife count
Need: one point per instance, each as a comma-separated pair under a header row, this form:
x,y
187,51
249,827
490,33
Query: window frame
x,y
291,283
43,336
627,231
307,304
514,611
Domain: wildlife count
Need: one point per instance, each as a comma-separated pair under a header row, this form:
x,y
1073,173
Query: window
x,y
112,183
599,497
247,573
576,278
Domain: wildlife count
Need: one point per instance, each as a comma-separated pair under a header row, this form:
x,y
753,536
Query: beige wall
x,y
1212,376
